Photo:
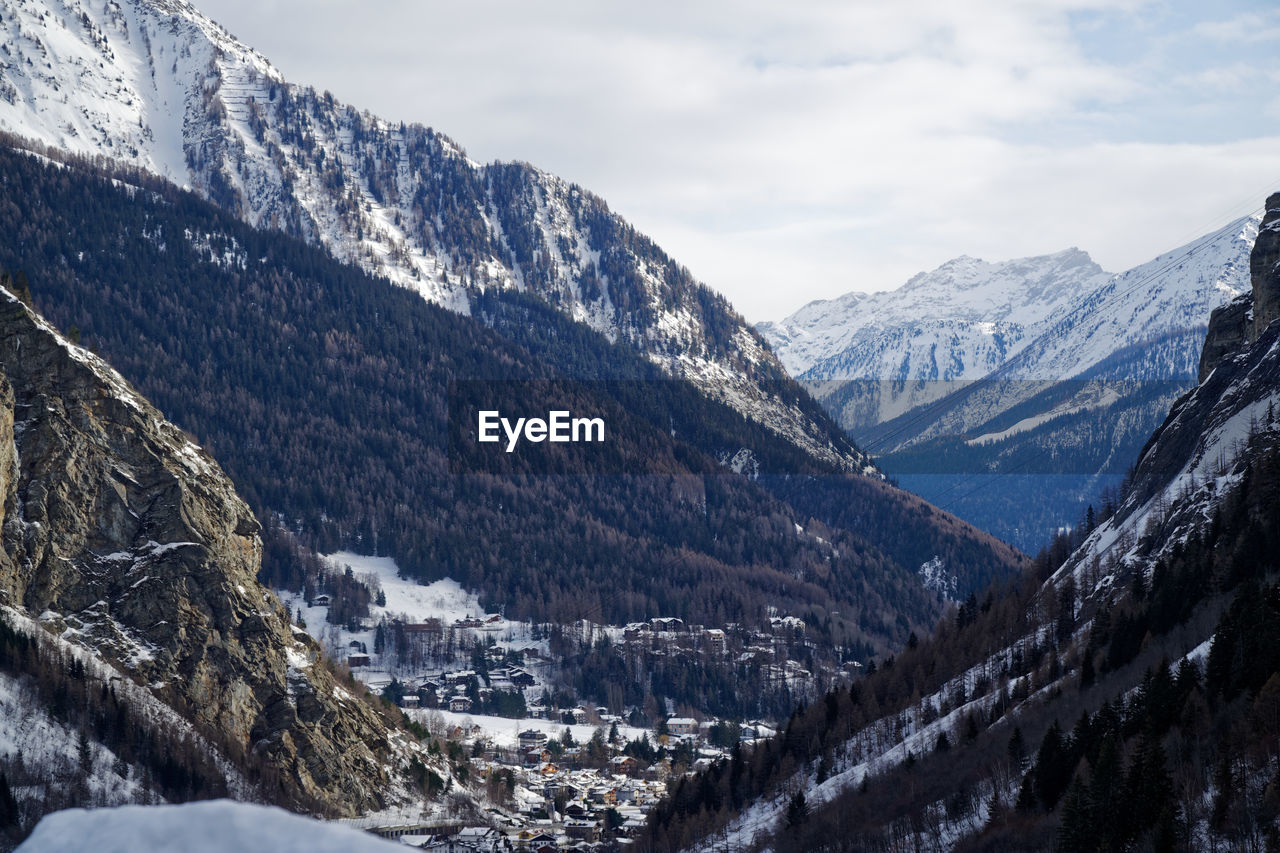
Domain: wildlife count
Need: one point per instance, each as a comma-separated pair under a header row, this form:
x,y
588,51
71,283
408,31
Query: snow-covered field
x,y
408,601
444,599
213,826
503,731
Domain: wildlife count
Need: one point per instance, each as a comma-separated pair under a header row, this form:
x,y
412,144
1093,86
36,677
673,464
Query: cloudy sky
x,y
792,151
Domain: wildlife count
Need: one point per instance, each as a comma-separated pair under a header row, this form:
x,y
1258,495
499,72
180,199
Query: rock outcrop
x,y
1264,269
120,534
1229,329
1245,319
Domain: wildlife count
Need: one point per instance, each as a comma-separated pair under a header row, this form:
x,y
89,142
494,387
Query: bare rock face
x,y
1264,269
119,533
1244,320
1229,327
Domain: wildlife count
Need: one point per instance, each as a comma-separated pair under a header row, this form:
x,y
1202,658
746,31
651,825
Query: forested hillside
x,y
325,395
1097,732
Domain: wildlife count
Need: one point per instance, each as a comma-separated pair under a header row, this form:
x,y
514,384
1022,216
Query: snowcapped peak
x,y
965,296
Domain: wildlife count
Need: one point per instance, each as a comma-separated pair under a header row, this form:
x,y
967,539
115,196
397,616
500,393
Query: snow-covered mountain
x,y
956,322
940,330
1048,318
157,84
1146,325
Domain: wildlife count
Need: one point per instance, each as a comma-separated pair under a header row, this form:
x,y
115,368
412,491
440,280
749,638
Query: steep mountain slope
x,y
327,395
156,84
123,538
1143,662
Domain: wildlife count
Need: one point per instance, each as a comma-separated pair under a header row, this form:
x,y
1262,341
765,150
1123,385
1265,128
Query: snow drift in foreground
x,y
213,826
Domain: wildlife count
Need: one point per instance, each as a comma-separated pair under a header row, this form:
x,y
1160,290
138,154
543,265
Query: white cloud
x,y
790,151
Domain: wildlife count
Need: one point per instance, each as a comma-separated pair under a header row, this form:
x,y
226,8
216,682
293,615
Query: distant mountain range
x,y
1043,366
958,321
1043,318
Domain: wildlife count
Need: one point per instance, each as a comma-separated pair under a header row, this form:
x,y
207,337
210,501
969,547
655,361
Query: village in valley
x,y
559,773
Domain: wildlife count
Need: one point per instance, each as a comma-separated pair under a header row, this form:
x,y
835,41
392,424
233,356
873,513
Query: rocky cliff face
x,y
1264,269
1229,327
122,535
1196,453
1245,319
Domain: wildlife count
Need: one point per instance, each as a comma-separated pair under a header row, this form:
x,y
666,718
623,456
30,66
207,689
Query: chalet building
x,y
462,676
682,726
623,765
786,623
459,704
320,601
582,830
356,661
532,739
479,837
542,842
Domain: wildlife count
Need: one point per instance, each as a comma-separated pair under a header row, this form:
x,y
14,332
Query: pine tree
x,y
1053,767
85,753
9,815
1076,833
1017,749
797,810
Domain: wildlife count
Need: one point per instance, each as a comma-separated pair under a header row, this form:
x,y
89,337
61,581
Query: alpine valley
x,y
252,550
313,293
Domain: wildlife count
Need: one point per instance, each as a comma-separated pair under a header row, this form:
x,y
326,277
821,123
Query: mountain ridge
x,y
159,85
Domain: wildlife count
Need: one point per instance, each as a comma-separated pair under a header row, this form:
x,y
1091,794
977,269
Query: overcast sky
x,y
792,151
